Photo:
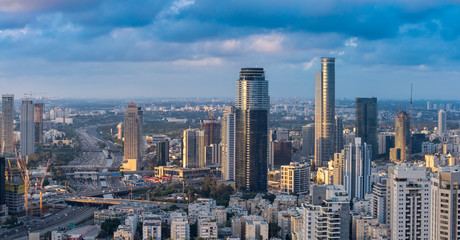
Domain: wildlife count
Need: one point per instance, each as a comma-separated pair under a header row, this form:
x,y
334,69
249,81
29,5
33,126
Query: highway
x,y
94,200
61,219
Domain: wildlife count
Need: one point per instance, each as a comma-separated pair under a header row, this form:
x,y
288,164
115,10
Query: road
x,y
53,222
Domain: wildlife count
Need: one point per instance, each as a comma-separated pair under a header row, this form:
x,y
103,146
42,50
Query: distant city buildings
x,y
325,113
251,125
442,126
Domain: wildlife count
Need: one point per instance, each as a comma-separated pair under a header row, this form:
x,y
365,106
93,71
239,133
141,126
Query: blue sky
x,y
194,48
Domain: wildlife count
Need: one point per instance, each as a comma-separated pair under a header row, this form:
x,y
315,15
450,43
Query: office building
x,y
401,151
120,131
7,124
228,144
14,197
38,122
357,169
417,140
27,127
280,134
338,169
141,141
442,127
408,202
366,122
280,153
445,202
251,124
132,151
295,178
338,134
162,153
325,113
193,148
213,155
211,128
308,140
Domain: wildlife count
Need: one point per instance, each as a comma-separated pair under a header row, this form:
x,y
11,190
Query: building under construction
x,y
38,123
211,129
14,194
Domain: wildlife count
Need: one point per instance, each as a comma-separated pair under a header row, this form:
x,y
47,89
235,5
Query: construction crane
x,y
22,165
41,186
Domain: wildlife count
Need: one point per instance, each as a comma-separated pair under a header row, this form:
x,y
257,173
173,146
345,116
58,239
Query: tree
x,y
270,197
108,227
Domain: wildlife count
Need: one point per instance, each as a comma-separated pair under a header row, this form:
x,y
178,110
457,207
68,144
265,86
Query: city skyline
x,y
92,49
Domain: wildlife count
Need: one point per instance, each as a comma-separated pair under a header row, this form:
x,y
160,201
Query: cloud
x,y
206,62
351,42
308,65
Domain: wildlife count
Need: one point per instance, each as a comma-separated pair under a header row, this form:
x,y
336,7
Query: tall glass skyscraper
x,y
251,118
27,127
132,151
7,124
325,112
366,122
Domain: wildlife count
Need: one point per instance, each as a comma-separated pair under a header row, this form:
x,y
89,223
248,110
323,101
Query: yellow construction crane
x,y
41,186
22,164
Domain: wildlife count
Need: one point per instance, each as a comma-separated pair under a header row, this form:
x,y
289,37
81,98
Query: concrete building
x,y
211,128
151,229
360,229
27,127
378,201
7,140
193,148
445,202
328,216
228,144
408,203
308,140
442,126
132,151
401,151
180,229
3,207
251,125
295,178
325,113
207,228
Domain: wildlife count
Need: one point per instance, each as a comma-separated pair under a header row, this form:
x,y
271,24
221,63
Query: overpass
x,y
94,200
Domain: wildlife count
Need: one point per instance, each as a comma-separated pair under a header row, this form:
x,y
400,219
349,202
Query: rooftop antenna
x,y
411,100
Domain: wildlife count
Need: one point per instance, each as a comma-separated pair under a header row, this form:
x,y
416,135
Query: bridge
x,y
94,200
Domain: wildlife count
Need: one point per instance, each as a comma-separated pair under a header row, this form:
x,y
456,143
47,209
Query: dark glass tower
x,y
251,118
366,119
162,153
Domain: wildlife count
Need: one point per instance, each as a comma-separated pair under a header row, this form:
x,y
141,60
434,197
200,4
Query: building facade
x,y
193,148
442,126
295,178
251,125
325,112
38,122
401,151
357,169
7,124
308,140
366,122
228,144
132,151
27,127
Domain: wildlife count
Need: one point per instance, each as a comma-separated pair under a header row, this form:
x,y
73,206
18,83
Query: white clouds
x,y
266,43
176,7
308,65
351,42
205,62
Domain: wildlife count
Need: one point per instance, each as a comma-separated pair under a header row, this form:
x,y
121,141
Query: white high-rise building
x,y
445,199
442,127
180,229
357,169
27,127
228,144
193,148
408,202
295,178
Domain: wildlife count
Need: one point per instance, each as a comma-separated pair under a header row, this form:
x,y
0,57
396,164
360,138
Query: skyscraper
x,y
402,149
325,112
38,122
193,149
441,122
308,139
366,122
132,151
251,116
357,169
27,127
338,134
445,199
162,153
140,113
408,203
228,144
7,124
